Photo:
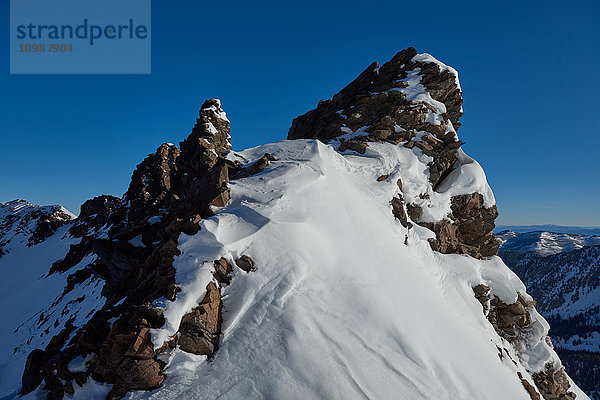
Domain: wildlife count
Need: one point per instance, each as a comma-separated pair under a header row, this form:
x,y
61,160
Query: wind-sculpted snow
x,y
338,306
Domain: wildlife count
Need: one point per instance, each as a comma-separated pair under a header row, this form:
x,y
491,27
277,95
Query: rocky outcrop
x,y
513,322
151,185
468,229
95,213
200,329
203,172
255,168
127,358
415,102
377,106
133,242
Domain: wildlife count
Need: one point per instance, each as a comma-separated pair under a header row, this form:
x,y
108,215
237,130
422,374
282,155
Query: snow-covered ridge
x,y
314,268
545,243
22,222
324,280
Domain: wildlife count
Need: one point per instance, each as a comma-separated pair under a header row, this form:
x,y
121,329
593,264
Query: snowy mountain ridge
x,y
21,221
354,260
545,243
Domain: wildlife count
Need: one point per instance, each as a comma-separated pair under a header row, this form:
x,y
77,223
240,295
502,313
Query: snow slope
x,y
339,307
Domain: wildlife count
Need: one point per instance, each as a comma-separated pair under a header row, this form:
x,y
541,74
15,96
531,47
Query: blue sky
x,y
529,72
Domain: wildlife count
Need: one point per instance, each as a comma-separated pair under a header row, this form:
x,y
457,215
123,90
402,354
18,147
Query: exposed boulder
x,y
245,263
200,329
222,271
256,167
399,212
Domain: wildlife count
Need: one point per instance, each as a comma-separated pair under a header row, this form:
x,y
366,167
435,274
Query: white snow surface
x,y
339,307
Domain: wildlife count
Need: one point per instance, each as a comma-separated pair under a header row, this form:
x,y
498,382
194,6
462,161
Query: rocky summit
x,y
354,260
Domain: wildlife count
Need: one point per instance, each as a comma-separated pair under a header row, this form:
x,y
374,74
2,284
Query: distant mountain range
x,y
545,243
562,273
577,230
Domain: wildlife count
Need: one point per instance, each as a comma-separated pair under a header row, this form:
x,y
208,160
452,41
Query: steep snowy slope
x,y
338,307
354,260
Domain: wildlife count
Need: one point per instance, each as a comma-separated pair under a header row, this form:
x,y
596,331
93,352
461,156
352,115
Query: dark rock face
x,y
97,212
150,189
170,192
203,172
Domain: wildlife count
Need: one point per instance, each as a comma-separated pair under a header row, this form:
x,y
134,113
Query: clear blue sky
x,y
529,72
